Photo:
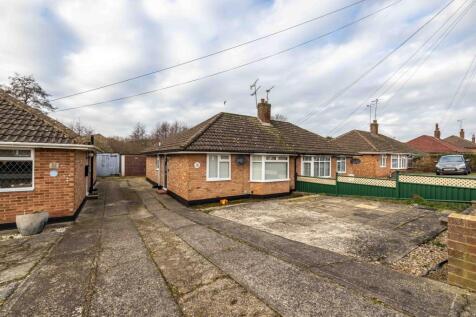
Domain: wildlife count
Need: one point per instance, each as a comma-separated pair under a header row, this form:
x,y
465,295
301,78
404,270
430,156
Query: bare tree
x,y
280,117
27,90
165,129
138,133
80,129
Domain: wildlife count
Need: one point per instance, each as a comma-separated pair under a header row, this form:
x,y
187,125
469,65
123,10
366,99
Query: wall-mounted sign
x,y
196,164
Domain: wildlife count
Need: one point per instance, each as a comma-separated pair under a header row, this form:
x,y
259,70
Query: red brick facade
x,y
462,250
60,196
187,178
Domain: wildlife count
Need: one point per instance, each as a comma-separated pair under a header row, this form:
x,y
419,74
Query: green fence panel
x,y
315,188
435,192
366,190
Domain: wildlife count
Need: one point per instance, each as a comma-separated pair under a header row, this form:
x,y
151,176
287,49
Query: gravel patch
x,y
425,258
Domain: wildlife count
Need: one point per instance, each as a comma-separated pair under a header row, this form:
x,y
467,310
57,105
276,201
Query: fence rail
x,y
402,187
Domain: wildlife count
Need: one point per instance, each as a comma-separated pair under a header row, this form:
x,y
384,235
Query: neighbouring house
x,y
379,155
434,144
460,141
237,156
43,164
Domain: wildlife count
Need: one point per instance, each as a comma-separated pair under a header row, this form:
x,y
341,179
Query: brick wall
x,y
58,195
190,183
369,166
462,250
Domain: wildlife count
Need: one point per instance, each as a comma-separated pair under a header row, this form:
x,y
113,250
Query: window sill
x,y
270,181
218,179
13,190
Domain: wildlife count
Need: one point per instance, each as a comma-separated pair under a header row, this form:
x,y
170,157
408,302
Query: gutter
x,y
81,147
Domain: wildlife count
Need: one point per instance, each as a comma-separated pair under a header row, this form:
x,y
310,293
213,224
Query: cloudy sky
x,y
72,46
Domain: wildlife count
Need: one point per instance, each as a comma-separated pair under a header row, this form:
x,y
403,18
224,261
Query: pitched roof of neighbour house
x,y
366,142
430,144
460,142
229,132
21,123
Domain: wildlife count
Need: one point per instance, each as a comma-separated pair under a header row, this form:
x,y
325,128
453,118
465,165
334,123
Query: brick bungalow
x,y
43,164
379,155
237,156
460,141
434,144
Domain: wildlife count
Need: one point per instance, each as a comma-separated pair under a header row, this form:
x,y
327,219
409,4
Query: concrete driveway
x,y
366,229
134,252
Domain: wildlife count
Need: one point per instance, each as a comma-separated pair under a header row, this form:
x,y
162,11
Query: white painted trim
x,y
28,145
312,167
263,168
345,164
398,158
232,153
209,179
123,165
380,160
22,189
388,153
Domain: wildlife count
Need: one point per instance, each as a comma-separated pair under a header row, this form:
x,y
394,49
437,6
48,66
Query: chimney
x,y
374,127
437,132
461,133
264,112
473,138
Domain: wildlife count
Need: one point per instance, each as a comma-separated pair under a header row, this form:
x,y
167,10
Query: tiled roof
x,y
365,142
430,144
21,123
228,132
460,142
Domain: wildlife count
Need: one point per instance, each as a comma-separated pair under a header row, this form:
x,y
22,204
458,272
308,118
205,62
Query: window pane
x,y
307,158
213,166
256,158
224,170
276,170
225,157
15,153
282,158
316,169
256,171
306,169
326,169
16,174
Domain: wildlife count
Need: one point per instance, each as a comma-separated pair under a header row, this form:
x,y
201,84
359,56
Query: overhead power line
x,y
213,53
238,66
435,45
361,105
368,71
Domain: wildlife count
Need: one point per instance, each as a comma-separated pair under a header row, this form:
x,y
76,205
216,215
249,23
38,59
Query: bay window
x,y
317,166
218,167
399,161
16,170
269,168
341,165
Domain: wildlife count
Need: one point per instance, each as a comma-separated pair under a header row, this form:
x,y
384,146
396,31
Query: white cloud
x,y
75,45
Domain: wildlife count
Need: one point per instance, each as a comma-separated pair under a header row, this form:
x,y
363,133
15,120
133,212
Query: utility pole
x,y
267,93
254,90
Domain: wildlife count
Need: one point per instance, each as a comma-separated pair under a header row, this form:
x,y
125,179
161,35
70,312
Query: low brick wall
x,y
462,251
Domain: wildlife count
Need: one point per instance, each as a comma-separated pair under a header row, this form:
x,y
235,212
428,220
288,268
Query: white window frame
x,y
219,179
383,159
30,158
342,159
402,161
157,163
316,159
263,168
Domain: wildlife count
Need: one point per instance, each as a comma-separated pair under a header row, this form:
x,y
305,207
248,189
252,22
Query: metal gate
x,y
108,164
